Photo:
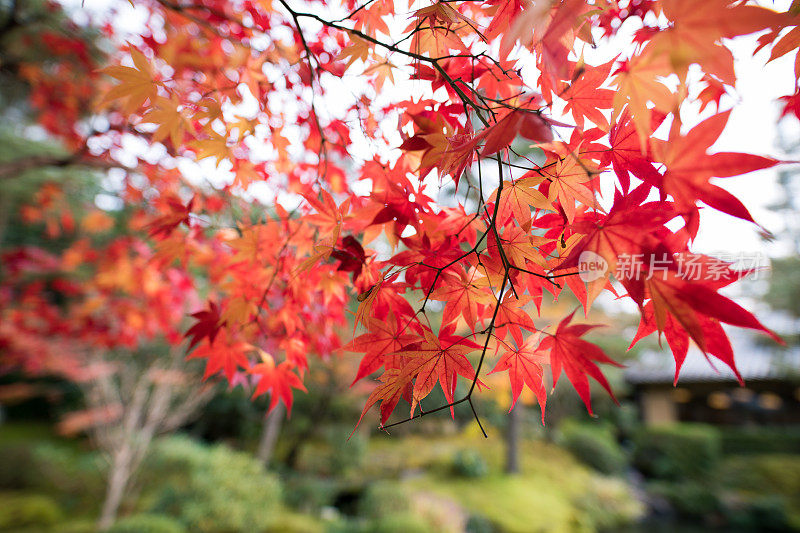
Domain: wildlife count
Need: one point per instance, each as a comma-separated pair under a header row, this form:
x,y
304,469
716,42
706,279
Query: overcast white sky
x,y
752,128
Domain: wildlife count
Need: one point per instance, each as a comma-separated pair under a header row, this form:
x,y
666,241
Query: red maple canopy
x,y
297,158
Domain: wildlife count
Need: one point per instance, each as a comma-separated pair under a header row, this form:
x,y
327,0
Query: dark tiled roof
x,y
753,361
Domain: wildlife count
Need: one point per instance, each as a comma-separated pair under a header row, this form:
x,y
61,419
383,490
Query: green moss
x,y
513,504
550,494
147,523
400,523
286,522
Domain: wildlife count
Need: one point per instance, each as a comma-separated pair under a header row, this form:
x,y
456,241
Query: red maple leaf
x,y
525,367
577,357
223,355
278,380
690,167
437,359
208,325
395,384
380,342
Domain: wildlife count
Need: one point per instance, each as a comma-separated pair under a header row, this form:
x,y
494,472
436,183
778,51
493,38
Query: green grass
x,y
14,433
553,492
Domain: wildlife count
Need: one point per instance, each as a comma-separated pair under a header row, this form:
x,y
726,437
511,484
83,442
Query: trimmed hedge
x,y
741,441
766,484
763,474
595,446
689,499
677,451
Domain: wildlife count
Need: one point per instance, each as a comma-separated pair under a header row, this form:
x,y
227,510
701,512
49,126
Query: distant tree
x,y
783,293
80,297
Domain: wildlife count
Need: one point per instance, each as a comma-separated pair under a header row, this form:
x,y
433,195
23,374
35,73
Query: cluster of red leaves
x,y
57,309
230,82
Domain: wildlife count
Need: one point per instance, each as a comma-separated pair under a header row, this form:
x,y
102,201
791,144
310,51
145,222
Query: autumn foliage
x,y
437,168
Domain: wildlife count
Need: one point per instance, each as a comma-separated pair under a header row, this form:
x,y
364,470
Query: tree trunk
x,y
512,439
269,435
117,483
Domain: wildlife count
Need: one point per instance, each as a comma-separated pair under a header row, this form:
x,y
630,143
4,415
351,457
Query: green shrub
x,y
18,511
346,451
594,446
212,488
763,478
73,476
763,474
469,464
677,451
147,523
51,467
477,523
687,498
383,498
400,523
761,440
309,494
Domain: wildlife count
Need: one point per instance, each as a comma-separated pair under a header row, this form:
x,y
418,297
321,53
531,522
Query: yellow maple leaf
x,y
215,146
367,299
136,83
638,82
358,49
168,115
381,71
239,310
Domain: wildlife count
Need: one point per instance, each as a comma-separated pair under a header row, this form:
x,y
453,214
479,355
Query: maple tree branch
x,y
323,149
468,396
12,169
488,330
477,418
183,10
493,224
394,48
355,11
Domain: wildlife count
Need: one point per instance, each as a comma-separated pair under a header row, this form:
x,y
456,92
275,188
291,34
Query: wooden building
x,y
711,394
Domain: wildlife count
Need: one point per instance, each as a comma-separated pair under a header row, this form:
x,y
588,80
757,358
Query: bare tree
x,y
130,399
